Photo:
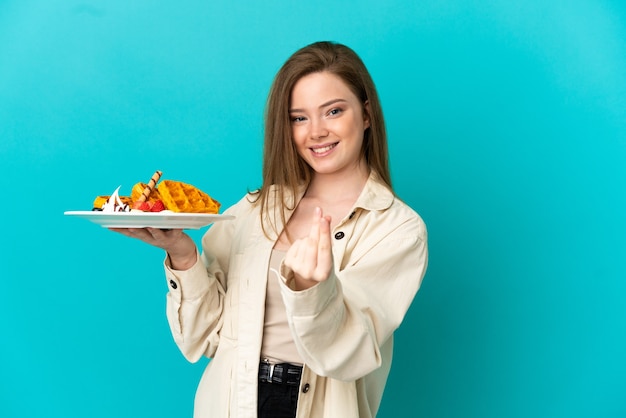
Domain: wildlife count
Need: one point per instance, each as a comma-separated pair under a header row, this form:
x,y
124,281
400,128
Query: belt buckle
x,y
270,373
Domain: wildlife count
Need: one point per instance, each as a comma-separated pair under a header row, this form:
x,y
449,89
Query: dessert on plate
x,y
168,195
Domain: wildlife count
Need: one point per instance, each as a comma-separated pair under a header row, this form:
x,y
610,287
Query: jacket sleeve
x,y
195,300
340,324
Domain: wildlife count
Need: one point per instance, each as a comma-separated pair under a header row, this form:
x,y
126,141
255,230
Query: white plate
x,y
168,220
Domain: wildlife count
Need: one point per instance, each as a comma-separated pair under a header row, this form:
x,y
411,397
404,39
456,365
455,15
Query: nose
x,y
318,128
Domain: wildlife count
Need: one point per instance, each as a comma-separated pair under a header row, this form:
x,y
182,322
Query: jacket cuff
x,y
186,284
308,302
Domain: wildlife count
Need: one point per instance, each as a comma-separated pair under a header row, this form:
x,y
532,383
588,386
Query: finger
x,y
293,258
123,231
308,260
156,233
324,251
293,254
153,236
324,242
138,233
314,234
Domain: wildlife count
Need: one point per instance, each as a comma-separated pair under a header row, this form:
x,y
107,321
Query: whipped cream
x,y
115,204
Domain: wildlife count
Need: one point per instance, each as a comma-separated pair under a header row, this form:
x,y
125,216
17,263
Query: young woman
x,y
296,300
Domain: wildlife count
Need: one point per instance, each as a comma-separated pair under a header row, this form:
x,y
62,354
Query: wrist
x,y
184,261
300,283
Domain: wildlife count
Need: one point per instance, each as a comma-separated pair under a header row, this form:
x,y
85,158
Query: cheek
x,y
298,134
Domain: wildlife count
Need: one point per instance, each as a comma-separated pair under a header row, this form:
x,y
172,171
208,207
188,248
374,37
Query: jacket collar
x,y
374,196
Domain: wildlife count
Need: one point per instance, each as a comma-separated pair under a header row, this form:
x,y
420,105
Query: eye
x,y
296,119
334,112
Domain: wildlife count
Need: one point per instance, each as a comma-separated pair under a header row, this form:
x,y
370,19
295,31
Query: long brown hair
x,y
282,166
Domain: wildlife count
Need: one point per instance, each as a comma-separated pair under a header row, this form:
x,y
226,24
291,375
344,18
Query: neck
x,y
339,186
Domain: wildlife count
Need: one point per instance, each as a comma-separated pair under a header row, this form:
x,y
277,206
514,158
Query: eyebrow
x,y
328,103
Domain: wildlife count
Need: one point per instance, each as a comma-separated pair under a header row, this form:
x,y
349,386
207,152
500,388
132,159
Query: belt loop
x,y
271,373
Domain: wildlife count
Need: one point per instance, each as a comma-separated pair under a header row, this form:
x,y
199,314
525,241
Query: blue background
x,y
507,126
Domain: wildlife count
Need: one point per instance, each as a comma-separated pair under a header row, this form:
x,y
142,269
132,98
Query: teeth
x,y
323,149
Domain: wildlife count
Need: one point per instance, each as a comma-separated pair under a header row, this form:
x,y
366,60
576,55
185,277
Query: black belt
x,y
281,373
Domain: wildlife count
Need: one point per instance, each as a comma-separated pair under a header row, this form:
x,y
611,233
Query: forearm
x,y
338,325
194,308
334,338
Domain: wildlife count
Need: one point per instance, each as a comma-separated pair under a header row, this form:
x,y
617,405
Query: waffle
x,y
145,194
137,192
182,197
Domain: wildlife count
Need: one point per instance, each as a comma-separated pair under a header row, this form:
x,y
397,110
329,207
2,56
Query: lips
x,y
324,149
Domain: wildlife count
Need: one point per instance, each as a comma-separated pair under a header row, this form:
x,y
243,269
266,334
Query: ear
x,y
366,114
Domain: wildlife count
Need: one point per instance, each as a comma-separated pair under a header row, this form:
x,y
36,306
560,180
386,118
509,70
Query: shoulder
x,y
383,207
407,218
397,220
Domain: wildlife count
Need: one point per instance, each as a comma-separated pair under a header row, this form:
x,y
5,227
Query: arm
x,y
194,306
340,322
195,300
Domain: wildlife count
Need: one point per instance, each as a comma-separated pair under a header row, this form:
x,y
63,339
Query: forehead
x,y
317,88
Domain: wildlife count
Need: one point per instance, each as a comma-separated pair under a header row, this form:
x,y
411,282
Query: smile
x,y
322,150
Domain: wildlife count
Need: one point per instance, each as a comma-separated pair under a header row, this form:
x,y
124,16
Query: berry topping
x,y
157,206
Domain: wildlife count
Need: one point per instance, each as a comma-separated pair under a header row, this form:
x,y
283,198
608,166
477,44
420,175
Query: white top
x,y
278,345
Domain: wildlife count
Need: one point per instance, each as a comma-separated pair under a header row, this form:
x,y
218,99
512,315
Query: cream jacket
x,y
342,327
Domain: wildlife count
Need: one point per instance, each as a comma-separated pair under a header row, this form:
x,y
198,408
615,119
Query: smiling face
x,y
327,124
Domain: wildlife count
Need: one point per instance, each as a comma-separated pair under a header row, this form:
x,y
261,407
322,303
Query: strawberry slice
x,y
144,206
157,206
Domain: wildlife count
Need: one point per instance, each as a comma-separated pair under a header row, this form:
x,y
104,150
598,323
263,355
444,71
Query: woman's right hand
x,y
179,246
311,258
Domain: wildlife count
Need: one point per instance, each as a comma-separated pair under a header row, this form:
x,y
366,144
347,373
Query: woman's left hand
x,y
311,258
